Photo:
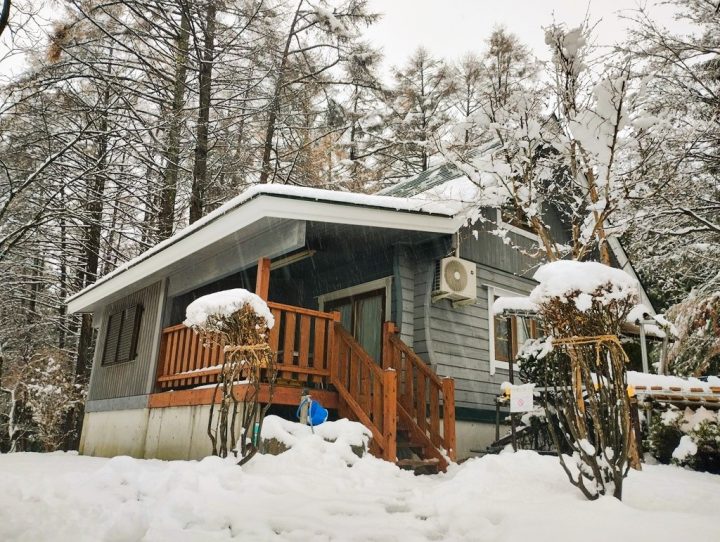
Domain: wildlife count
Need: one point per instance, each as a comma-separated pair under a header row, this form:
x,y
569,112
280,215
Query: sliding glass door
x,y
363,316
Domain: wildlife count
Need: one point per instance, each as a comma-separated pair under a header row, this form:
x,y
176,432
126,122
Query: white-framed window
x,y
506,334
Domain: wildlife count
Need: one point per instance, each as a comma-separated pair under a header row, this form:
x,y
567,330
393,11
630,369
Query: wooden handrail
x,y
303,339
420,395
300,310
368,391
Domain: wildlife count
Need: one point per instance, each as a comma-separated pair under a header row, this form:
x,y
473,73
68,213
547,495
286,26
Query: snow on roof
x,y
390,203
225,303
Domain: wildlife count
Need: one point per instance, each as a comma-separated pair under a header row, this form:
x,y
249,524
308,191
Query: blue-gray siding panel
x,y
455,340
405,293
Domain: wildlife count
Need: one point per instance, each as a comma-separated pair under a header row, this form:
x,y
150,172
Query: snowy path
x,y
309,493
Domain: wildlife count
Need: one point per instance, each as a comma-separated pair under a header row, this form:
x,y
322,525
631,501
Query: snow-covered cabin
x,y
361,286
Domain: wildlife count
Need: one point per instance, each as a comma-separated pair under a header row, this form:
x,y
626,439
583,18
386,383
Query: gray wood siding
x,y
129,378
455,340
404,288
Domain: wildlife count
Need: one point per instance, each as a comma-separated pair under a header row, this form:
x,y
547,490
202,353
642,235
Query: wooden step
x,y
420,466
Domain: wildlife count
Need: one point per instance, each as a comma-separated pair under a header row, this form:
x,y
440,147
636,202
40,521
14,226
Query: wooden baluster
x,y
409,370
389,427
175,342
274,334
377,400
193,355
205,352
332,353
186,354
213,358
353,373
420,402
289,343
320,360
449,417
304,348
435,415
365,388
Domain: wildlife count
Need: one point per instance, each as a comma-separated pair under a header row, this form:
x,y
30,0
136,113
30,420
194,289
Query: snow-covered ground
x,y
310,493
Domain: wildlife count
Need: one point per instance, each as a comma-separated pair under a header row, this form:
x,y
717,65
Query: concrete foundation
x,y
115,432
181,433
473,436
158,433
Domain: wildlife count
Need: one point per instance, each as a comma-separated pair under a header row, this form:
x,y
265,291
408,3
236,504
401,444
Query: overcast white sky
x,y
450,28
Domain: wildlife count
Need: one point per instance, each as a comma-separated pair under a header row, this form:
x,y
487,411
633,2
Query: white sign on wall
x,y
521,398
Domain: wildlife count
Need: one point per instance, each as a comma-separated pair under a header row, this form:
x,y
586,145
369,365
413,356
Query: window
x,y
507,333
511,332
512,219
122,334
363,309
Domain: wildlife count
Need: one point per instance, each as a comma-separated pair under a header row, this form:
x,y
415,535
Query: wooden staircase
x,y
408,409
402,402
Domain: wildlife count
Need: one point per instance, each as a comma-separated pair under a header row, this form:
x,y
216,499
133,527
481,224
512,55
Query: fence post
x,y
333,350
448,386
387,353
389,428
262,281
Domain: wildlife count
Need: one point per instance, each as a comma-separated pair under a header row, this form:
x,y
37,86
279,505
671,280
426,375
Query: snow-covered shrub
x,y
696,352
689,438
239,320
51,394
582,306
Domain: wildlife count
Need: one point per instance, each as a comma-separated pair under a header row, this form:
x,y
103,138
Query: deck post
x,y
333,349
262,281
389,428
388,329
448,386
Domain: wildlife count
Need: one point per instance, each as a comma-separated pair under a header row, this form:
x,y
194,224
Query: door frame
x,y
359,289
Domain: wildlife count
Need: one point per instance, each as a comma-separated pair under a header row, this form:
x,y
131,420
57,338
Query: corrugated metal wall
x,y
129,378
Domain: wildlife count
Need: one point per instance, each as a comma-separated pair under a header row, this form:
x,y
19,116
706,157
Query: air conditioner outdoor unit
x,y
455,279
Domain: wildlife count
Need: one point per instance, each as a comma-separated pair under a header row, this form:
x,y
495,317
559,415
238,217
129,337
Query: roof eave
x,y
247,212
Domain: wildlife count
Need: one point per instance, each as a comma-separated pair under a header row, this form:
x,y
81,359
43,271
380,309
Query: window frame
x,y
515,229
134,338
496,363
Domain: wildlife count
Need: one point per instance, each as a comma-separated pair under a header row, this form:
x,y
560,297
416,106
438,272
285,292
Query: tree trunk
x,y
275,105
200,181
166,217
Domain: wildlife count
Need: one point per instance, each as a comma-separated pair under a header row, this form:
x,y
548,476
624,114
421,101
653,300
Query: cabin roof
x,y
276,201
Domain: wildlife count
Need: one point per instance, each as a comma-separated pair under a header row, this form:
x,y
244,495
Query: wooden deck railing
x,y
369,391
302,338
185,360
421,393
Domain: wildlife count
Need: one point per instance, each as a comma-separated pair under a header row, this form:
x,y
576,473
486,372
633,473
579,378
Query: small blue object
x,y
318,414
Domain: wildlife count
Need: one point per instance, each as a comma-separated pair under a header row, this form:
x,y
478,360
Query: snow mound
x,y
343,432
308,493
582,281
225,303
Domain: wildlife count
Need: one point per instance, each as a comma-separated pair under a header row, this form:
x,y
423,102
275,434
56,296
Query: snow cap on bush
x,y
582,282
206,310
